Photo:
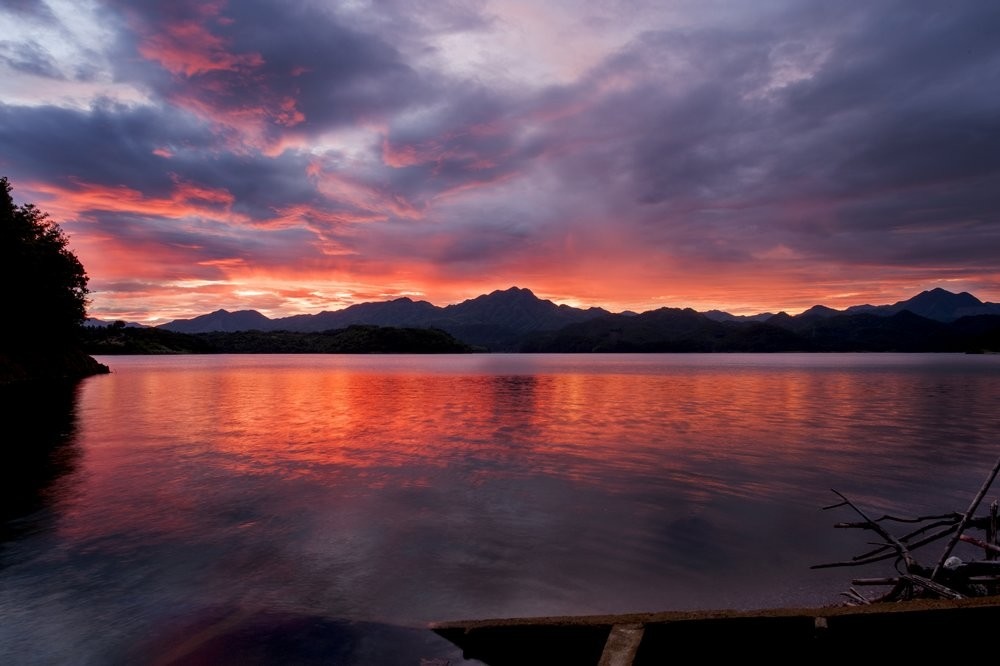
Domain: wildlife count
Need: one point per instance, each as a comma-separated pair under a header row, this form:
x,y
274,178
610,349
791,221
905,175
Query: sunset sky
x,y
294,157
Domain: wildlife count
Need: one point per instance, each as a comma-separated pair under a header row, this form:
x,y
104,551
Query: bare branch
x,y
988,547
936,588
991,528
953,517
901,549
875,581
965,519
856,596
870,558
916,544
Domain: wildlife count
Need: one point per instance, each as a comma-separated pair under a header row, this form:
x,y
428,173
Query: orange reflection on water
x,y
430,487
322,416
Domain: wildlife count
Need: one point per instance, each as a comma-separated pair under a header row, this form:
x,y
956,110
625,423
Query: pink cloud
x,y
186,47
364,198
187,199
229,89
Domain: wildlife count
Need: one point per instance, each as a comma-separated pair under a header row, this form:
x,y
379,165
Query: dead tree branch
x,y
900,547
965,519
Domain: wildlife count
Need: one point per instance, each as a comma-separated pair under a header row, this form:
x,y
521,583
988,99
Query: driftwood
x,y
901,550
950,577
991,530
965,520
855,596
880,554
991,549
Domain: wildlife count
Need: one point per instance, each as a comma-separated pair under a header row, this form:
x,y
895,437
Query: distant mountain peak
x,y
939,304
721,316
514,291
941,291
964,298
220,320
820,311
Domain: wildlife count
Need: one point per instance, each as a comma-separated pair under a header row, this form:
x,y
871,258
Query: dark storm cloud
x,y
275,66
897,124
259,185
475,140
335,74
906,132
108,144
906,98
902,52
115,146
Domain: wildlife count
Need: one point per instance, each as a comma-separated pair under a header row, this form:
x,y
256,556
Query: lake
x,y
325,509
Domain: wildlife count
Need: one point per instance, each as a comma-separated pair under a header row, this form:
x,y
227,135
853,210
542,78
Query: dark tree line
x,y
357,339
45,299
46,283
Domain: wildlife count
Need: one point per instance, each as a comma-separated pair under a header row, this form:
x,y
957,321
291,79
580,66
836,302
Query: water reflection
x,y
403,490
39,422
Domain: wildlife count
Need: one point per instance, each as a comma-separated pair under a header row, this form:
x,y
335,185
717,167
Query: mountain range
x,y
496,321
517,320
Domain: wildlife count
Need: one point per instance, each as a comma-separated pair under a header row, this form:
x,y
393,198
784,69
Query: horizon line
x,y
532,292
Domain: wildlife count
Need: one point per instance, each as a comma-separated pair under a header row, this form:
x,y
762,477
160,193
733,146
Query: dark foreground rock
x,y
880,633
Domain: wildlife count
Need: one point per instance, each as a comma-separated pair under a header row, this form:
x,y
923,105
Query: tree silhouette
x,y
45,284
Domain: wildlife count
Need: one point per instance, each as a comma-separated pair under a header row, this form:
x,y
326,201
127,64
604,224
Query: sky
x,y
295,157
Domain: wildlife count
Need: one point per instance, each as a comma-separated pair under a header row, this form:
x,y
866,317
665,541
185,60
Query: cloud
x,y
230,65
30,58
35,10
137,157
673,151
108,143
722,161
41,45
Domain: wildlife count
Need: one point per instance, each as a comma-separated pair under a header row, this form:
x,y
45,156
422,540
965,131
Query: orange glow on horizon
x,y
278,296
139,278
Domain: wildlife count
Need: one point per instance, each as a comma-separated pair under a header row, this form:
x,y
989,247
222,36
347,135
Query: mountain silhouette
x,y
497,321
398,312
221,320
516,319
937,304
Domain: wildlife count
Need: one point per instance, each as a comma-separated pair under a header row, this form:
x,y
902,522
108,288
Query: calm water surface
x,y
298,507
